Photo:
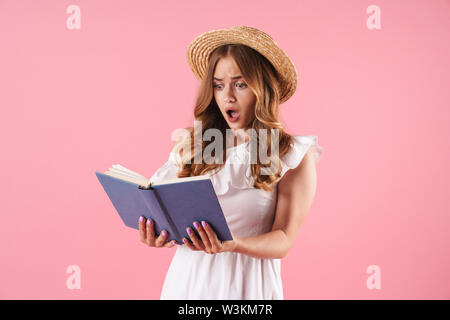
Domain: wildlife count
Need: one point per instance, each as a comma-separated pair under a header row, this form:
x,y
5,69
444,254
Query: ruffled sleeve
x,y
300,147
167,171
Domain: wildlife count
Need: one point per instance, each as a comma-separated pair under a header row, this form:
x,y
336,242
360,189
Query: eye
x,y
241,85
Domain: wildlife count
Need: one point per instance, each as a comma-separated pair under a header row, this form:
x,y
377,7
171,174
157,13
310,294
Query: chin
x,y
234,125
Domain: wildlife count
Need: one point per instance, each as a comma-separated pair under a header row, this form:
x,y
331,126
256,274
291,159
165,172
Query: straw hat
x,y
200,48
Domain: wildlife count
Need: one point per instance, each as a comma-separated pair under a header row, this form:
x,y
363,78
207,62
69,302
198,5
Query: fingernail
x,y
204,223
141,218
196,224
164,233
149,221
189,230
174,242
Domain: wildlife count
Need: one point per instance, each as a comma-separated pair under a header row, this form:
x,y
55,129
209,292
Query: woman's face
x,y
232,93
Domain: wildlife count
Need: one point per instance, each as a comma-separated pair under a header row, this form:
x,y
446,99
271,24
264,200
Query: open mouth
x,y
232,115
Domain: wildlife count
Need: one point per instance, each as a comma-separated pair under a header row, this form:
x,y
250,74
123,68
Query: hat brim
x,y
200,49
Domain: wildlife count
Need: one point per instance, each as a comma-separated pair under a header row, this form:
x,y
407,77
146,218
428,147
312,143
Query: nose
x,y
228,96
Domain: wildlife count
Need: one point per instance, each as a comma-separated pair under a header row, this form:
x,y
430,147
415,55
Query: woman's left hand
x,y
209,241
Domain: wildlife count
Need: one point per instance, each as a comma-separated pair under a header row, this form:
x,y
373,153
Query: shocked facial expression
x,y
233,96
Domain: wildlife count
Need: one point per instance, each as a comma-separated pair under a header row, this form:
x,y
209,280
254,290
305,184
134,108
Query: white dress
x,y
248,212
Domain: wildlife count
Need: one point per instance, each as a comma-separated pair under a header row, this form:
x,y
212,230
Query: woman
x,y
244,77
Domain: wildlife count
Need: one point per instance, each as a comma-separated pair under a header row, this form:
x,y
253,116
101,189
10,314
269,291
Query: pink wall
x,y
76,101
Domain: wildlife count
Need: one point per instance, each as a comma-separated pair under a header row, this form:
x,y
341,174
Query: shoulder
x,y
301,177
309,157
179,137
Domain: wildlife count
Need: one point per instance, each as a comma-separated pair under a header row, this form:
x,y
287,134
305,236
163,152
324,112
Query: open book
x,y
172,204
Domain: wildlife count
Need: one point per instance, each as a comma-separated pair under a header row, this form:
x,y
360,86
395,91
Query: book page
x,y
136,180
125,174
178,180
122,168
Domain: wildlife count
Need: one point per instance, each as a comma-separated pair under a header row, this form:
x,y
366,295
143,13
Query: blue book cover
x,y
173,205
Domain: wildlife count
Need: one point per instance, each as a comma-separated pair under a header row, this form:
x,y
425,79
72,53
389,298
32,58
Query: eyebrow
x,y
236,77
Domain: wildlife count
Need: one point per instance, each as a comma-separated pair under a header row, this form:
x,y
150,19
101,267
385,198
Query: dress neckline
x,y
238,146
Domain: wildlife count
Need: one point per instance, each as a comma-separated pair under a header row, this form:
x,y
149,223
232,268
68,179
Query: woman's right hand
x,y
147,234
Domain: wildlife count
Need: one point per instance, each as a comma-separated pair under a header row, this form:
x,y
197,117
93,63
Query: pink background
x,y
76,101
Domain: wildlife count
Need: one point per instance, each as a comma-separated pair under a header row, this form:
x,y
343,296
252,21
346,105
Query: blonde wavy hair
x,y
262,79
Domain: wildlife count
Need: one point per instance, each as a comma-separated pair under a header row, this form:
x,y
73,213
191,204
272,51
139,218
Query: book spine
x,y
156,207
169,219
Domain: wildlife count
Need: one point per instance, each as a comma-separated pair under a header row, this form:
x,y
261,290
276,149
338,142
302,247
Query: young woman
x,y
244,77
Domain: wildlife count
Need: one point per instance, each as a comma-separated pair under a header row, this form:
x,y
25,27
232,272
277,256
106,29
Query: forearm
x,y
270,245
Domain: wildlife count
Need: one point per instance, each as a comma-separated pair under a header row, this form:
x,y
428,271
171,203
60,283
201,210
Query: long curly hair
x,y
262,79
